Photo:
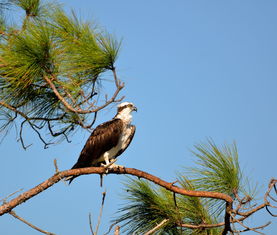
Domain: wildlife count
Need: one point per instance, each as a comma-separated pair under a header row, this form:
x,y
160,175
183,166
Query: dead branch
x,y
201,226
156,228
90,224
69,105
5,198
92,109
56,166
117,230
100,212
110,228
266,204
29,224
30,121
248,229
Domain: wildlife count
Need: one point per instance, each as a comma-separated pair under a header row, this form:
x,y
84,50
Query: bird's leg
x,y
115,165
110,163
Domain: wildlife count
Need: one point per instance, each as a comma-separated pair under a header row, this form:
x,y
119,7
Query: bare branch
x,y
69,107
5,198
110,228
267,209
117,230
160,225
29,224
260,227
56,166
63,132
90,224
7,207
201,226
69,104
21,137
100,213
32,125
248,228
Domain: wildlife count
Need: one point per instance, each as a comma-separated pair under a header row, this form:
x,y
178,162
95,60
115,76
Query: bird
x,y
108,140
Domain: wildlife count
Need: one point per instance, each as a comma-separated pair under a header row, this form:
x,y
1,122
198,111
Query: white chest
x,y
122,143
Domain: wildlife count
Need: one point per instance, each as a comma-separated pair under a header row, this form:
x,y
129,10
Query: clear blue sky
x,y
195,69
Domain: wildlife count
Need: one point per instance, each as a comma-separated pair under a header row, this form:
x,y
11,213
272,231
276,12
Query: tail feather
x,y
70,178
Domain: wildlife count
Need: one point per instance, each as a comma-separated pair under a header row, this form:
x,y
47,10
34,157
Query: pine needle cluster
x,y
51,66
147,205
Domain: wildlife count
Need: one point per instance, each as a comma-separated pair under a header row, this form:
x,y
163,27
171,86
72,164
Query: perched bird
x,y
108,140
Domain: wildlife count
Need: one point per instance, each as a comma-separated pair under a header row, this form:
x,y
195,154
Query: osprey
x,y
108,140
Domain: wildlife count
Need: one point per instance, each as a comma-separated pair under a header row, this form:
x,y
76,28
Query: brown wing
x,y
103,138
133,130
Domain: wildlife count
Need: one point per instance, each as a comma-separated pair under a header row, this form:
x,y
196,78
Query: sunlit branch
x,y
230,215
160,225
101,170
92,108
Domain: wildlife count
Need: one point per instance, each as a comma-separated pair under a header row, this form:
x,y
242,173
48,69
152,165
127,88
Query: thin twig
x,y
100,212
21,136
90,224
119,86
260,227
156,228
110,228
56,166
117,230
29,224
201,226
247,228
5,198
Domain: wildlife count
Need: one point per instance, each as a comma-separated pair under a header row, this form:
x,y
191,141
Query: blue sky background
x,y
195,69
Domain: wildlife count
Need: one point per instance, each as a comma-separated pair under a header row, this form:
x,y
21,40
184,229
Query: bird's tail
x,y
70,178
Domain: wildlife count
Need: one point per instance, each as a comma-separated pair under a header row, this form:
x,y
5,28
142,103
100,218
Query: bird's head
x,y
124,111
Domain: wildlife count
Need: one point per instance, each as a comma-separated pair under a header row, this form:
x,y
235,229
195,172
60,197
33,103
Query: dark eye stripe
x,y
124,107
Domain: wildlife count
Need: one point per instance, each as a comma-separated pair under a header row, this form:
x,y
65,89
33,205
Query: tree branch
x,y
90,224
69,107
29,224
156,228
8,206
100,212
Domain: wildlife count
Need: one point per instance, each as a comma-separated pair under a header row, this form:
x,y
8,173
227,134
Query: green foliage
x,y
52,44
217,169
148,206
34,8
4,5
196,210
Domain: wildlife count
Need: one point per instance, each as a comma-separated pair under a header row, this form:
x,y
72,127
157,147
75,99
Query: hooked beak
x,y
135,108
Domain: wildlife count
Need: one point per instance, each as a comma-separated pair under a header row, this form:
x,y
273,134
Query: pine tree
x,y
149,207
51,68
